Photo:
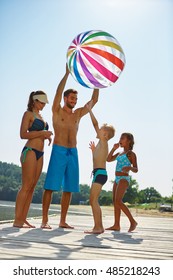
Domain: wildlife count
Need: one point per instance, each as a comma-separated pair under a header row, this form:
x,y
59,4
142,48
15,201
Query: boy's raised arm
x,y
94,99
93,118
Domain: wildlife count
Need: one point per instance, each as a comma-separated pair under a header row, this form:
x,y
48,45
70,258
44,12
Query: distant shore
x,y
7,211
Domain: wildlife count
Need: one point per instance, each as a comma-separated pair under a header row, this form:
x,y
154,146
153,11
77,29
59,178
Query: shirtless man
x,y
63,169
100,153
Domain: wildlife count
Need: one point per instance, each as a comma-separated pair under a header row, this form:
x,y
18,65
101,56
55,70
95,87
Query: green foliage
x,y
105,198
149,195
82,196
10,180
132,192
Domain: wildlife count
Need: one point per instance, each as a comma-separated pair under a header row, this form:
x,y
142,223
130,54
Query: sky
x,y
35,36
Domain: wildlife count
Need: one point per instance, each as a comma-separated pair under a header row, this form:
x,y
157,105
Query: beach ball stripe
x,y
95,59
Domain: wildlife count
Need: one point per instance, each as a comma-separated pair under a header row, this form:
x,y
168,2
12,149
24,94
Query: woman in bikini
x,y
126,161
35,130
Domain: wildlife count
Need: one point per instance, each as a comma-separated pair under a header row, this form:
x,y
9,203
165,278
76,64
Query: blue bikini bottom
x,y
38,154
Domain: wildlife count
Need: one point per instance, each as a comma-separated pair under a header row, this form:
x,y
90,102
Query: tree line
x,y
10,182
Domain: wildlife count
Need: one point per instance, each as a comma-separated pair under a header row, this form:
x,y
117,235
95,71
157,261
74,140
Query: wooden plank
x,y
153,239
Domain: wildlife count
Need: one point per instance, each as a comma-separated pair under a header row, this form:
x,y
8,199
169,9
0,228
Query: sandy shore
x,y
108,211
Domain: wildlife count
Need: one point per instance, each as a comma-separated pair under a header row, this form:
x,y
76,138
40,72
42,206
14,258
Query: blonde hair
x,y
110,129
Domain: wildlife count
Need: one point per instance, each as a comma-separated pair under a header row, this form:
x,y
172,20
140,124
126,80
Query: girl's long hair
x,y
31,101
130,138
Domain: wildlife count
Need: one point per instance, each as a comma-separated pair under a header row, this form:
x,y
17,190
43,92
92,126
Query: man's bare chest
x,y
66,121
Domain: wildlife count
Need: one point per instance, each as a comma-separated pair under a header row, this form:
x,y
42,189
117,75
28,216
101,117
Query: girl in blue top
x,y
126,161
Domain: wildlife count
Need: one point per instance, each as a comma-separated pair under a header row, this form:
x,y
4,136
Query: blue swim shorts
x,y
118,178
63,170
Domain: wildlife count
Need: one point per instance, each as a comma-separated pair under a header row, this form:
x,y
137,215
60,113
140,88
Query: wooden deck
x,y
152,240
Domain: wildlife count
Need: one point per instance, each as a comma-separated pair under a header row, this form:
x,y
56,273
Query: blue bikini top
x,y
122,160
38,125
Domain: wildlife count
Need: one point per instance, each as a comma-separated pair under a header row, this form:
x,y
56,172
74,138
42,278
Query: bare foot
x,y
116,228
65,225
45,226
132,226
27,223
94,231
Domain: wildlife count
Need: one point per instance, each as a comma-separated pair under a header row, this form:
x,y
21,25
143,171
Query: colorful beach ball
x,y
95,59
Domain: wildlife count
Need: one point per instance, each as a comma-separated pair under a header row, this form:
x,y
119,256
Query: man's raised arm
x,y
59,92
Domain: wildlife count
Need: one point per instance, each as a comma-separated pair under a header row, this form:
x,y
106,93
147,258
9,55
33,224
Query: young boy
x,y
100,153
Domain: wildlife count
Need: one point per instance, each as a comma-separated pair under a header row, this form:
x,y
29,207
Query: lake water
x,y
7,209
